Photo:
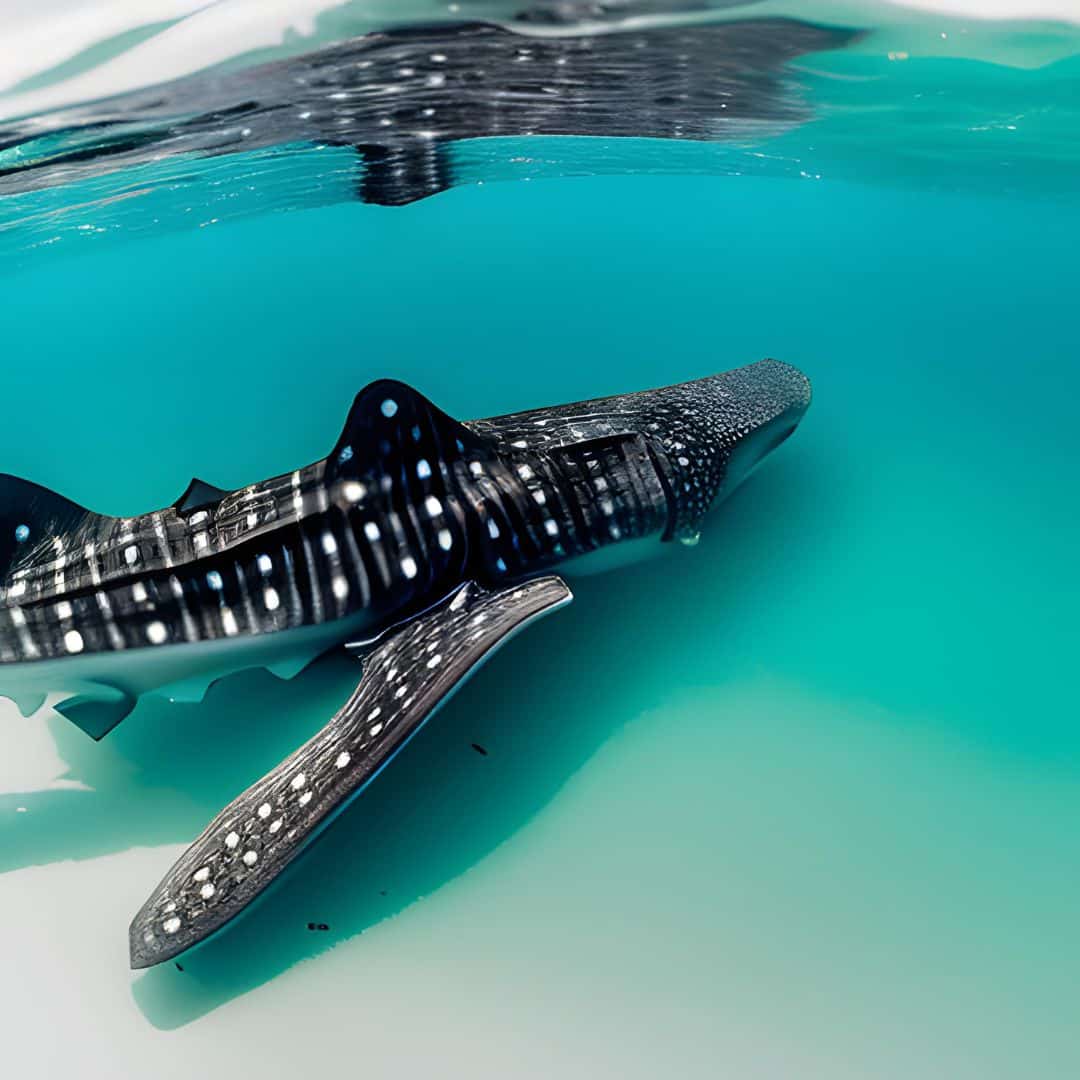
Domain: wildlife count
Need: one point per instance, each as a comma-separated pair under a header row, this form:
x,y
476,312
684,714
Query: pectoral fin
x,y
407,675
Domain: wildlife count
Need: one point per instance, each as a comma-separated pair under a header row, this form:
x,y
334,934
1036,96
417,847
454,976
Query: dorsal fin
x,y
386,418
197,495
31,515
398,175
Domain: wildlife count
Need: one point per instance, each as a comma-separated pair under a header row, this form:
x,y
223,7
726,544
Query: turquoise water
x,y
801,801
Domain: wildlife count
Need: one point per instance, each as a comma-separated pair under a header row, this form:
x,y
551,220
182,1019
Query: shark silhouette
x,y
403,97
430,540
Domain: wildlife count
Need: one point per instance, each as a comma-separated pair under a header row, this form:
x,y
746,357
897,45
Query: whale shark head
x,y
711,433
651,464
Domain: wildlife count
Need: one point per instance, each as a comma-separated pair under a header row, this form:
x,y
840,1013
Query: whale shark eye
x,y
22,533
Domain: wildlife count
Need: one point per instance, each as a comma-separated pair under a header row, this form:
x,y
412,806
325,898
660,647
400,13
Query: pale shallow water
x,y
801,801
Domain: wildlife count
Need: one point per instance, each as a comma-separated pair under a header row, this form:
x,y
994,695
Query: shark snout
x,y
769,398
721,427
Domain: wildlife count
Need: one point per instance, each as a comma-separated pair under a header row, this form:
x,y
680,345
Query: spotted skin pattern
x,y
690,430
408,504
406,676
413,520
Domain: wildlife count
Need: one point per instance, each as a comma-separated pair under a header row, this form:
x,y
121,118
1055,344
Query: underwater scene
x,y
539,539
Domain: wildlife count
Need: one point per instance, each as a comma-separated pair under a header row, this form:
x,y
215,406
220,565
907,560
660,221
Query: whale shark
x,y
404,97
421,543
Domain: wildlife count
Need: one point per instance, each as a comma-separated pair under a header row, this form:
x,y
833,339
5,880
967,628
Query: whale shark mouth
x,y
733,452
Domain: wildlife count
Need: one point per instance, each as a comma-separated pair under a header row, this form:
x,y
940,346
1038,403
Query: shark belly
x,y
111,683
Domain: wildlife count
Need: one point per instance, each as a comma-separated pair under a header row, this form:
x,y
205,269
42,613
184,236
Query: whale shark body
x,y
405,97
430,539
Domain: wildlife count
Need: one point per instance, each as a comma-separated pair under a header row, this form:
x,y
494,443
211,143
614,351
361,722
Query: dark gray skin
x,y
403,97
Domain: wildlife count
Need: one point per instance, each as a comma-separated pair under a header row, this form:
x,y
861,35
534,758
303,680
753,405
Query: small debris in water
x,y
479,749
179,968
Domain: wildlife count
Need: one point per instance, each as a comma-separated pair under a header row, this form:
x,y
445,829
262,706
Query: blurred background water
x,y
802,801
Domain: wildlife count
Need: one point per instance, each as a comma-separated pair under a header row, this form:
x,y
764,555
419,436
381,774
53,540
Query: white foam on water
x,y
29,758
1026,10
41,36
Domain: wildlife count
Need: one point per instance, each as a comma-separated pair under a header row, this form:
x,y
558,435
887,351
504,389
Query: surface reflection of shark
x,y
402,97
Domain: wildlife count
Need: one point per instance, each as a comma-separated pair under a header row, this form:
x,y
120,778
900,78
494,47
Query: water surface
x,y
800,801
